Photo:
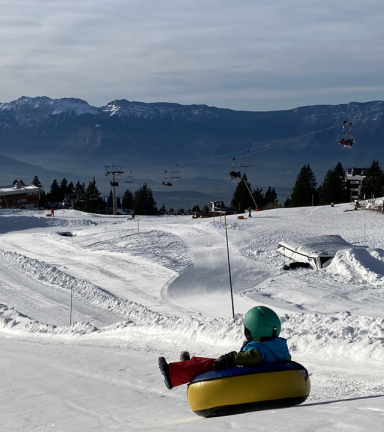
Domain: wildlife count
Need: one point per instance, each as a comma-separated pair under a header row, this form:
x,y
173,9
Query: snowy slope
x,y
159,285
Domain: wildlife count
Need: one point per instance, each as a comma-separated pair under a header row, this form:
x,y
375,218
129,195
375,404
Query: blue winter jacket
x,y
256,353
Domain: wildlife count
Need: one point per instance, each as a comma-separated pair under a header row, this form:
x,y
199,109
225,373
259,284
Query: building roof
x,y
11,190
324,245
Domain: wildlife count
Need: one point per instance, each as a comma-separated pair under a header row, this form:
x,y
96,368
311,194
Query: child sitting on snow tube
x,y
263,345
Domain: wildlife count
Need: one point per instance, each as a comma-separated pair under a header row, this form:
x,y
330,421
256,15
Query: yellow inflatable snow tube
x,y
243,389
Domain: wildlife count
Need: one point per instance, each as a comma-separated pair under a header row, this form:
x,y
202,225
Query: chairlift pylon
x,y
345,137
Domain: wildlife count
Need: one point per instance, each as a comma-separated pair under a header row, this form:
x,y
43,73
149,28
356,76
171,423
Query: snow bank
x,y
359,265
339,335
335,335
10,319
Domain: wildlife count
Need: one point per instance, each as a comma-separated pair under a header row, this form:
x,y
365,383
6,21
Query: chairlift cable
x,y
256,149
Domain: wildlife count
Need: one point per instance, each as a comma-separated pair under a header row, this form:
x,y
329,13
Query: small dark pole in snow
x,y
229,268
70,313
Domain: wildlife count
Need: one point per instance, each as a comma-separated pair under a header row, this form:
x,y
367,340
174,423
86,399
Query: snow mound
x,y
335,335
358,265
338,335
10,319
378,254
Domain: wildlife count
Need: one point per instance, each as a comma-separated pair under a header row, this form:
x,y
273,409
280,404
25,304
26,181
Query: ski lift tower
x,y
114,170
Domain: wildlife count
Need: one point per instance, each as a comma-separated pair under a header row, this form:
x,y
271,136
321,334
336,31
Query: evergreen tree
x,y
128,199
65,188
79,188
373,183
304,192
341,189
43,195
163,209
36,182
144,202
71,188
54,194
287,202
241,199
270,197
92,201
259,198
196,208
333,188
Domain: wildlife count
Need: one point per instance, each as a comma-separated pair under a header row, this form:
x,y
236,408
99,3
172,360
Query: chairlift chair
x,y
235,172
245,161
129,178
176,173
167,181
345,137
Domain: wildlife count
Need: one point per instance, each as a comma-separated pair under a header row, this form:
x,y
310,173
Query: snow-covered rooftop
x,y
9,190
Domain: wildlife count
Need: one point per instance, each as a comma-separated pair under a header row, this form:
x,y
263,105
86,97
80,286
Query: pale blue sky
x,y
244,55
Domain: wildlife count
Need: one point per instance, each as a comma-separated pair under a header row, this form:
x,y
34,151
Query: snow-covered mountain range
x,y
69,135
28,111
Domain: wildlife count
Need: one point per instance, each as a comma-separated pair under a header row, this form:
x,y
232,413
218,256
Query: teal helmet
x,y
261,322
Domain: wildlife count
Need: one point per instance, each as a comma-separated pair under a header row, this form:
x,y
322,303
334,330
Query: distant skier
x,y
52,212
263,345
249,211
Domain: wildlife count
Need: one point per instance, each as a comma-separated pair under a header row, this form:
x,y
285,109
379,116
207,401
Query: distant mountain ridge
x,y
69,135
26,110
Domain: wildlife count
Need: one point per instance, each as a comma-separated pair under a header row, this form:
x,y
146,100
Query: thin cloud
x,y
247,55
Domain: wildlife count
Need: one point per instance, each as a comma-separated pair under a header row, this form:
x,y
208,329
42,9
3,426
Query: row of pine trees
x,y
304,193
334,188
244,197
141,201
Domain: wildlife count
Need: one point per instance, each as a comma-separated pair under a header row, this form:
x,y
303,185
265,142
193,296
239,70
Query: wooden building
x,y
19,196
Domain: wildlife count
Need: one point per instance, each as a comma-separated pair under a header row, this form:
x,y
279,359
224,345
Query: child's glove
x,y
225,361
